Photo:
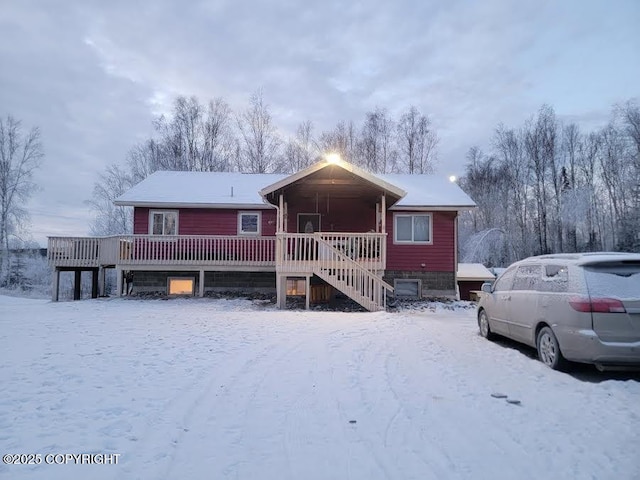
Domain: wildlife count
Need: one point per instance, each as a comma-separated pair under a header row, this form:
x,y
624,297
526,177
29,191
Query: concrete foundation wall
x,y
249,282
434,284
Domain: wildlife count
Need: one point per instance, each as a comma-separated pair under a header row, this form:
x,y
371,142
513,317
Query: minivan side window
x,y
555,279
504,281
527,277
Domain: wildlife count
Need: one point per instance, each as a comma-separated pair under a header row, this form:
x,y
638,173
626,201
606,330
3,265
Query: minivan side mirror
x,y
486,287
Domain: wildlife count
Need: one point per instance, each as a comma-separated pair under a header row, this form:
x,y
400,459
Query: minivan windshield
x,y
614,279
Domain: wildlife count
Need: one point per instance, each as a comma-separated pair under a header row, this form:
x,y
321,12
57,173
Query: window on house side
x,y
249,223
164,222
412,228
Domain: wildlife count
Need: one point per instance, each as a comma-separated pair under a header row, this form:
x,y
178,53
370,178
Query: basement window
x,y
181,285
296,286
407,288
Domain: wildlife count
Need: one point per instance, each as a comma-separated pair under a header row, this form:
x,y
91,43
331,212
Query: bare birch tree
x,y
301,150
343,140
259,140
196,137
416,142
377,142
20,155
111,219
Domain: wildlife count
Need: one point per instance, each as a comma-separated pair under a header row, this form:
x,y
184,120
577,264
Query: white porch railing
x,y
227,250
74,251
302,252
130,250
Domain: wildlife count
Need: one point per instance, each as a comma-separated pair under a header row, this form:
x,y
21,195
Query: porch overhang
x,y
340,177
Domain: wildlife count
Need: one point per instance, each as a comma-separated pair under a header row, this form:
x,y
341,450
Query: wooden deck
x,y
351,262
140,251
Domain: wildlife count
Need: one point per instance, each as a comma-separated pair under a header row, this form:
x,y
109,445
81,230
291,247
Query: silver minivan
x,y
571,307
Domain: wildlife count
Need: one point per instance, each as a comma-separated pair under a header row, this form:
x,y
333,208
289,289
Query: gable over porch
x,y
332,196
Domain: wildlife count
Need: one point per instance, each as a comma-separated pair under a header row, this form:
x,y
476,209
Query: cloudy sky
x,y
93,74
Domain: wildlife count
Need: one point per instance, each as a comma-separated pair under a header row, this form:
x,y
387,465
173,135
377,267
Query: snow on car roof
x,y
585,258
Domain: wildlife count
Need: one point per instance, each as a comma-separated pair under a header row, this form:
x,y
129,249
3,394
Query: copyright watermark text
x,y
61,458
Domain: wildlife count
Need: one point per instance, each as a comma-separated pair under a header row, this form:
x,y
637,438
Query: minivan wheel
x,y
549,349
483,324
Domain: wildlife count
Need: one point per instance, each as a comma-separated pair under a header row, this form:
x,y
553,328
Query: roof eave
x,y
447,208
254,206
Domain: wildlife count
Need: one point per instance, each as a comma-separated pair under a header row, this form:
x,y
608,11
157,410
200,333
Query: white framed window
x,y
249,223
412,228
163,222
407,287
181,285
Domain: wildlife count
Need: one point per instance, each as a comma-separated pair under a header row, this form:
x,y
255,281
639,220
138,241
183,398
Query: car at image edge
x,y
570,307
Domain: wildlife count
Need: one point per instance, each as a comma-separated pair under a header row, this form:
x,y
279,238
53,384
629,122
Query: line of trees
x,y
210,137
549,187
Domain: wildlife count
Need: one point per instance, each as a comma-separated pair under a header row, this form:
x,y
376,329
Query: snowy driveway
x,y
190,389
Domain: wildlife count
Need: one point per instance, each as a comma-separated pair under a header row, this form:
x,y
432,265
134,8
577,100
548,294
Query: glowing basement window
x,y
181,286
296,286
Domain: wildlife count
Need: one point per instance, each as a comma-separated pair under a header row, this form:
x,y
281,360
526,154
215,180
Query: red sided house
x,y
330,227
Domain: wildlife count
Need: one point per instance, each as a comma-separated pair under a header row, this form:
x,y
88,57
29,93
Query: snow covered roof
x,y
428,191
243,190
199,189
474,272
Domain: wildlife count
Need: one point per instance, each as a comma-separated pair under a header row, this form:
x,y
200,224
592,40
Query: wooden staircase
x,y
301,254
361,285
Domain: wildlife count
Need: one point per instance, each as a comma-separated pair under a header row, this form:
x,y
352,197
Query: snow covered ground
x,y
202,388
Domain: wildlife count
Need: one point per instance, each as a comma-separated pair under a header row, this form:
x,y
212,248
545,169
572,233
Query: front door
x,y
308,222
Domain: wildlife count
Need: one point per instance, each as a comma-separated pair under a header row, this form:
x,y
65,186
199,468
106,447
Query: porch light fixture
x,y
333,157
452,178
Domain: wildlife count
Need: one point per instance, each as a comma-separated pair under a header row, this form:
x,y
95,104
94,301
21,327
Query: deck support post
x,y
307,291
77,280
55,288
94,283
119,281
201,284
102,281
281,291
